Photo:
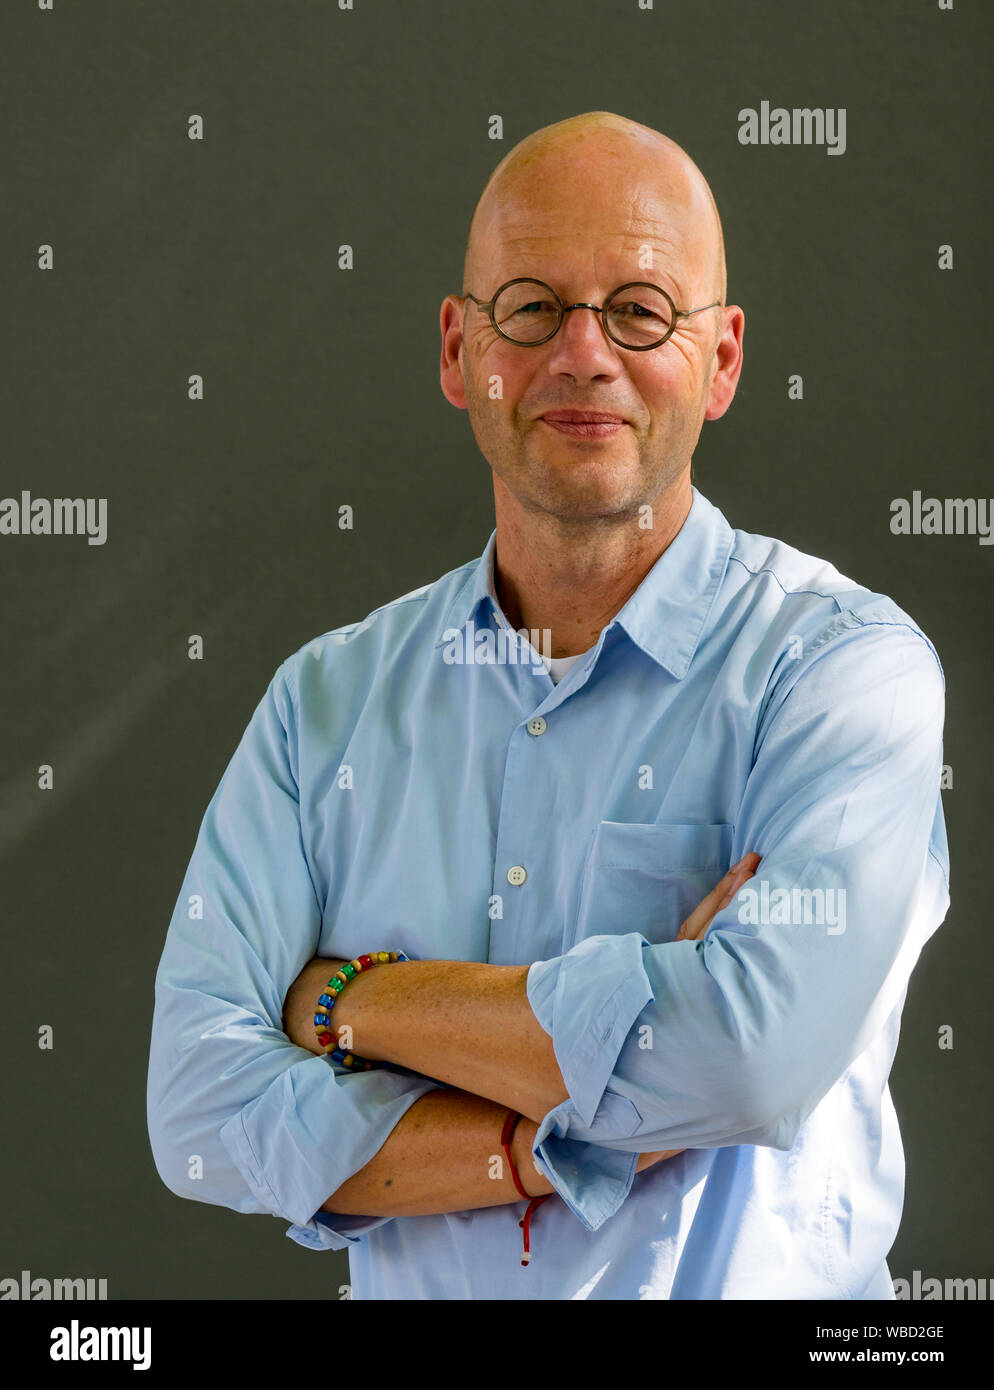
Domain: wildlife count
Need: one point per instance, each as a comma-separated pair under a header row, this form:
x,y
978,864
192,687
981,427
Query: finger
x,y
745,873
720,897
742,871
708,906
711,904
704,927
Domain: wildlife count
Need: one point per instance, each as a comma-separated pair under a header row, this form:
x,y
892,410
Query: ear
x,y
727,363
450,322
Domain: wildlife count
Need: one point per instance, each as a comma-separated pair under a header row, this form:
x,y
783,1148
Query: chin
x,y
586,504
586,489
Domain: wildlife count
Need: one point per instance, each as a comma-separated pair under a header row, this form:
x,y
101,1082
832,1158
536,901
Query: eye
x,y
634,310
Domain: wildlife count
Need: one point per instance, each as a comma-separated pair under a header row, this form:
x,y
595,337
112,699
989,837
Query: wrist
x,y
351,1022
347,1016
534,1182
301,1005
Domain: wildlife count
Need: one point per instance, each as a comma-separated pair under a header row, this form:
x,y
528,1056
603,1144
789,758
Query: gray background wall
x,y
219,257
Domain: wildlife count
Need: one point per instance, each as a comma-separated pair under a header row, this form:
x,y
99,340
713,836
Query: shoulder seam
x,y
848,621
911,626
846,609
765,569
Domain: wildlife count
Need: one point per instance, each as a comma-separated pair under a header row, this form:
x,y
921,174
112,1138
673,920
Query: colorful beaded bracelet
x,y
326,1002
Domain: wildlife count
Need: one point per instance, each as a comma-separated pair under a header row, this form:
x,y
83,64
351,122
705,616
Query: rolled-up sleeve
x,y
238,1116
736,1038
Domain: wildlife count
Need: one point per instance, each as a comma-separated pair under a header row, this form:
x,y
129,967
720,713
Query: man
x,y
663,884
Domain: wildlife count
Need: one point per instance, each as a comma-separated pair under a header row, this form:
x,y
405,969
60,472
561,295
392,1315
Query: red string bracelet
x,y
510,1125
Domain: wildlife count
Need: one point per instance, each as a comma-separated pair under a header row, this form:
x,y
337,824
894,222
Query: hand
x,y
647,1160
696,925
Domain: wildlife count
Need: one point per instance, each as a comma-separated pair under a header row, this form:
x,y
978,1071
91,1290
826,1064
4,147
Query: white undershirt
x,y
558,665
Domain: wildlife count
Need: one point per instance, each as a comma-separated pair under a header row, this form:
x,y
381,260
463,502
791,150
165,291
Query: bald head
x,y
580,173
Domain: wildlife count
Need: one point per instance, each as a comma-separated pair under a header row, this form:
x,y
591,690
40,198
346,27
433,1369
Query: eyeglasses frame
x,y
488,308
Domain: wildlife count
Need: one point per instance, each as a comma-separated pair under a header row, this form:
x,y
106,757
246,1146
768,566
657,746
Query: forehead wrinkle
x,y
640,215
666,250
646,220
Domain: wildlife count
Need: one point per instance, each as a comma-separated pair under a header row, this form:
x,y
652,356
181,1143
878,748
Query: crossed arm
x,y
471,1026
747,1035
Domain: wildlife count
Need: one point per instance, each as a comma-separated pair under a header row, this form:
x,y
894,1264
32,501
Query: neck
x,y
571,577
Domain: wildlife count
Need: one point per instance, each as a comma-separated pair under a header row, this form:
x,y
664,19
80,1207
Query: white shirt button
x,y
536,726
516,875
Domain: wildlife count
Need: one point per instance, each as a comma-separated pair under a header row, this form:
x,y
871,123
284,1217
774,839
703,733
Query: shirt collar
x,y
666,615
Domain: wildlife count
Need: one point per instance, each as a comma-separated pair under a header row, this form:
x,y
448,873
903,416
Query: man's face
x,y
585,238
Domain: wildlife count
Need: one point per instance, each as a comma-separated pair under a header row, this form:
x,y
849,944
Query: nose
x,y
581,348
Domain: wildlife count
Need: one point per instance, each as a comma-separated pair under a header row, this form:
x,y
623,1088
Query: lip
x,y
583,424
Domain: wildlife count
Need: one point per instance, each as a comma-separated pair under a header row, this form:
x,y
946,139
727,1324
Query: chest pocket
x,y
647,878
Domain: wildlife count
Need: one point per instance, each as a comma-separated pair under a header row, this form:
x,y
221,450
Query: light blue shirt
x,y
387,795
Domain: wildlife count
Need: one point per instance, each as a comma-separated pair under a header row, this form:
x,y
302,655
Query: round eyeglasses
x,y
637,316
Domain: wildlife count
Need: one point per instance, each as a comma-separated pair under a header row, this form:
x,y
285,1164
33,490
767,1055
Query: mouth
x,y
583,424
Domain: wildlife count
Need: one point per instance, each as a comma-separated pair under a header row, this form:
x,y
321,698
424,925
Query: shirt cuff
x,y
330,1231
592,1180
